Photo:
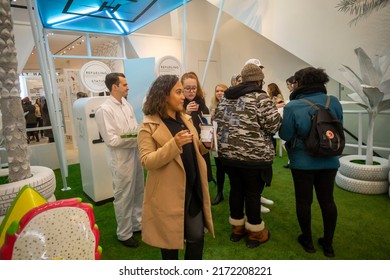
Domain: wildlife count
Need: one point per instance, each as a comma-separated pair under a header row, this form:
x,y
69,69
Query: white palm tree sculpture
x,y
361,8
372,90
14,124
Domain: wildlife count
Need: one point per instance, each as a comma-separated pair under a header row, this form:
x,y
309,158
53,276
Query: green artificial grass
x,y
362,231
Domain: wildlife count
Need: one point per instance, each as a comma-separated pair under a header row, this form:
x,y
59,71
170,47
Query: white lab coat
x,y
113,119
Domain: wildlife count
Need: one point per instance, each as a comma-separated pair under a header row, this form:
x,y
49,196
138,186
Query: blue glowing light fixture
x,y
117,17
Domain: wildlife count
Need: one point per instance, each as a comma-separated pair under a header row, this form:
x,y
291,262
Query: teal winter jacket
x,y
296,125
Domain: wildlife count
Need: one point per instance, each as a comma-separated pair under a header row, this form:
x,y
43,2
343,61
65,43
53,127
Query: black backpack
x,y
326,136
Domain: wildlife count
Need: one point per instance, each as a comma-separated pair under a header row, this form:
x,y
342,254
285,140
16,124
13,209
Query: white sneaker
x,y
266,201
264,209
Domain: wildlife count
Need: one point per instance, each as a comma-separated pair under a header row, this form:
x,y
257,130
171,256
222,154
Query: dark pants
x,y
40,124
34,134
323,182
220,172
193,234
246,186
209,169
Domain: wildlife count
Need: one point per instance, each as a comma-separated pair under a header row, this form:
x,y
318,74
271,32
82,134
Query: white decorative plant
x,y
372,90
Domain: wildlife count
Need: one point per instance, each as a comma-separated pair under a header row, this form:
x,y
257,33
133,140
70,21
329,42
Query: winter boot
x,y
238,229
257,234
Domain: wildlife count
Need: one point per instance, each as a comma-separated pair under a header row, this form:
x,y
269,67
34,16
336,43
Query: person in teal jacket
x,y
308,171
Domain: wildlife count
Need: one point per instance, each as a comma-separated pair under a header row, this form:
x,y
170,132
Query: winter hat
x,y
254,61
252,73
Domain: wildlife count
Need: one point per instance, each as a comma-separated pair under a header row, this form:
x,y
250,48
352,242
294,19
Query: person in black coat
x,y
195,106
31,119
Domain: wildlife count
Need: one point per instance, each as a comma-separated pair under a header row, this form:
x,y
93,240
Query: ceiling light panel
x,y
117,17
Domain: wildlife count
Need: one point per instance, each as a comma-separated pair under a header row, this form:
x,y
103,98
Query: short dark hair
x,y
290,80
113,79
311,75
156,102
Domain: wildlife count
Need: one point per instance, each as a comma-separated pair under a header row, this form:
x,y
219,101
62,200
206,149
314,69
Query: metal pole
x,y
360,134
48,86
212,42
184,35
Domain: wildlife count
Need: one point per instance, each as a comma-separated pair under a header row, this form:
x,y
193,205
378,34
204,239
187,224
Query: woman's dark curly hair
x,y
156,100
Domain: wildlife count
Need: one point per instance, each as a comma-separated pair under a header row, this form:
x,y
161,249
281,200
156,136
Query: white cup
x,y
206,133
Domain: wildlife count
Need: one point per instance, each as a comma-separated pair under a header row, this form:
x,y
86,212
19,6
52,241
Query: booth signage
x,y
93,74
169,65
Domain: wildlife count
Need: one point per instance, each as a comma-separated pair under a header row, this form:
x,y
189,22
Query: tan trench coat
x,y
163,209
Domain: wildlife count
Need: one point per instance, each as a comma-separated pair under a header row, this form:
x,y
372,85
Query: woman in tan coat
x,y
177,203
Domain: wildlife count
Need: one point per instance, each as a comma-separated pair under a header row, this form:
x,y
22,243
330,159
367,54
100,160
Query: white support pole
x,y
88,43
184,40
360,134
47,73
59,125
212,42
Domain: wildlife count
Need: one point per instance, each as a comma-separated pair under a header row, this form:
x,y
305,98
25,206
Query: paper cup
x,y
206,133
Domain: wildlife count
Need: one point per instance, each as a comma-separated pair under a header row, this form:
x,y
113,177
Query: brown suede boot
x,y
238,229
257,234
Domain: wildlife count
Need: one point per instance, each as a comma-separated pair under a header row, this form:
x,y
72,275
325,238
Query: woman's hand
x,y
183,137
192,107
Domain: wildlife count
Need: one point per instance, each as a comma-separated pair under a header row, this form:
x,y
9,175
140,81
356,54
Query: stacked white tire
x,y
43,181
360,178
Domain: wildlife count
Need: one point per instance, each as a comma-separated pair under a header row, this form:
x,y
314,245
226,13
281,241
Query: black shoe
x,y
287,165
328,250
217,199
307,246
131,242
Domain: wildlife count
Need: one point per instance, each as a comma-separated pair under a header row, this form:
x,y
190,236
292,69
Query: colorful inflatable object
x,y
63,229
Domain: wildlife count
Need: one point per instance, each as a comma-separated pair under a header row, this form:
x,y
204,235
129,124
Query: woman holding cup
x,y
177,202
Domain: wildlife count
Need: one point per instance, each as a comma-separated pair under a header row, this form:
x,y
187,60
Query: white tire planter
x,y
43,181
361,186
360,178
364,172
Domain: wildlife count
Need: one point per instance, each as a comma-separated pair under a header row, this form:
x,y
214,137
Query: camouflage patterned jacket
x,y
246,118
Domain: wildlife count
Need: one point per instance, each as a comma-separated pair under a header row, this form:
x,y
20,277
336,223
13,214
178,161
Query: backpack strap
x,y
310,103
314,105
327,102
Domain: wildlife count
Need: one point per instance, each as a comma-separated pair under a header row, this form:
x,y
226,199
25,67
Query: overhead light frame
x,y
115,17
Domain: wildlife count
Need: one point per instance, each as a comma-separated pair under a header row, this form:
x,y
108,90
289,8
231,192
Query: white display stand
x,y
95,171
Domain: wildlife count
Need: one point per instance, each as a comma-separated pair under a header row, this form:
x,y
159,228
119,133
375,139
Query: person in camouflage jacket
x,y
246,117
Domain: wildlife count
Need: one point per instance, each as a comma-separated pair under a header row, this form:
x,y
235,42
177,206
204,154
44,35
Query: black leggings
x,y
323,182
220,173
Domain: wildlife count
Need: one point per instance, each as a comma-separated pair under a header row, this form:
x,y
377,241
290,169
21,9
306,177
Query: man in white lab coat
x,y
114,118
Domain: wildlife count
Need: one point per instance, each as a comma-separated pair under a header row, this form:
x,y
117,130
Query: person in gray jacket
x,y
246,117
308,171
